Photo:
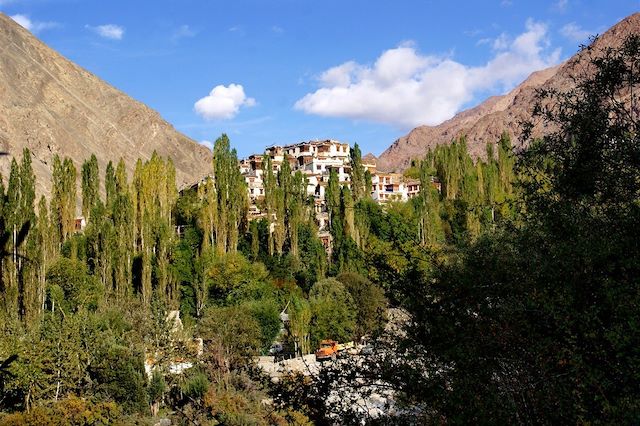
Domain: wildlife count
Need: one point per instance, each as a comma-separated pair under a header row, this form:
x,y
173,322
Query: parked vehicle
x,y
328,350
276,348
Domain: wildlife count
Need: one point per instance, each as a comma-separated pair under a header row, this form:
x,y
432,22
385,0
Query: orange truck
x,y
328,350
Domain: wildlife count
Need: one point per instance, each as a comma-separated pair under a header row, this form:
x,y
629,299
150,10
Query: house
x,y
388,187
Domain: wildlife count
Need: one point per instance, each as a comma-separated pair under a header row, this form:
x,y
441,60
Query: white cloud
x,y
223,103
34,26
183,31
406,89
110,31
561,5
278,30
574,32
502,42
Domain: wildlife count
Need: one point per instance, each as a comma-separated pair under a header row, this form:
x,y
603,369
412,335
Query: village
x,y
315,160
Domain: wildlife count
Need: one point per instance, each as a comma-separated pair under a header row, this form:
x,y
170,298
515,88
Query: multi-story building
x,y
413,188
315,159
388,187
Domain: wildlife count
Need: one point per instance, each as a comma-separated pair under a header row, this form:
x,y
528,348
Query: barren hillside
x,y
51,105
486,122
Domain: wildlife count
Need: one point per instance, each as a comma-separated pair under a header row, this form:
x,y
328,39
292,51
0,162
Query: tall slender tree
x,y
358,180
231,193
90,185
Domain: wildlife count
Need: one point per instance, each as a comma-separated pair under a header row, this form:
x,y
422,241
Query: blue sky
x,y
276,72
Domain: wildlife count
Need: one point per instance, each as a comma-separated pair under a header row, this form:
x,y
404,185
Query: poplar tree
x,y
10,264
47,250
150,202
255,240
208,213
26,267
270,185
333,202
90,185
348,214
19,218
63,201
280,196
110,182
506,167
332,196
368,183
231,193
100,246
358,180
431,231
297,208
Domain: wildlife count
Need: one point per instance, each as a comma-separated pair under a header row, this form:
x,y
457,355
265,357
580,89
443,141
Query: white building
x,y
315,159
388,187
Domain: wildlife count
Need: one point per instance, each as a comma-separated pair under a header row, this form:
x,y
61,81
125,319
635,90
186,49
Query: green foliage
x,y
63,198
266,313
120,377
224,200
313,258
231,271
70,286
534,320
157,387
299,311
358,181
473,197
195,385
369,302
412,172
333,312
71,410
90,185
232,335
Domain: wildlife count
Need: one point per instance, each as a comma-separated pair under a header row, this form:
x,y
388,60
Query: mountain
x,y
487,121
52,106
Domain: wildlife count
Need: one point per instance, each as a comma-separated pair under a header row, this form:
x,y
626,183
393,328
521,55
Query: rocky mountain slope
x,y
51,105
486,122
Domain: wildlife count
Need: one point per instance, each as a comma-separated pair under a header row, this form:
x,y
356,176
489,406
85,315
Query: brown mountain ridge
x,y
52,106
487,121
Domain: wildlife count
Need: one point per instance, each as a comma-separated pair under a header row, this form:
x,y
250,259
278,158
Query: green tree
x,y
232,197
538,320
369,302
63,199
90,186
119,373
70,286
333,312
156,390
358,181
233,335
265,311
